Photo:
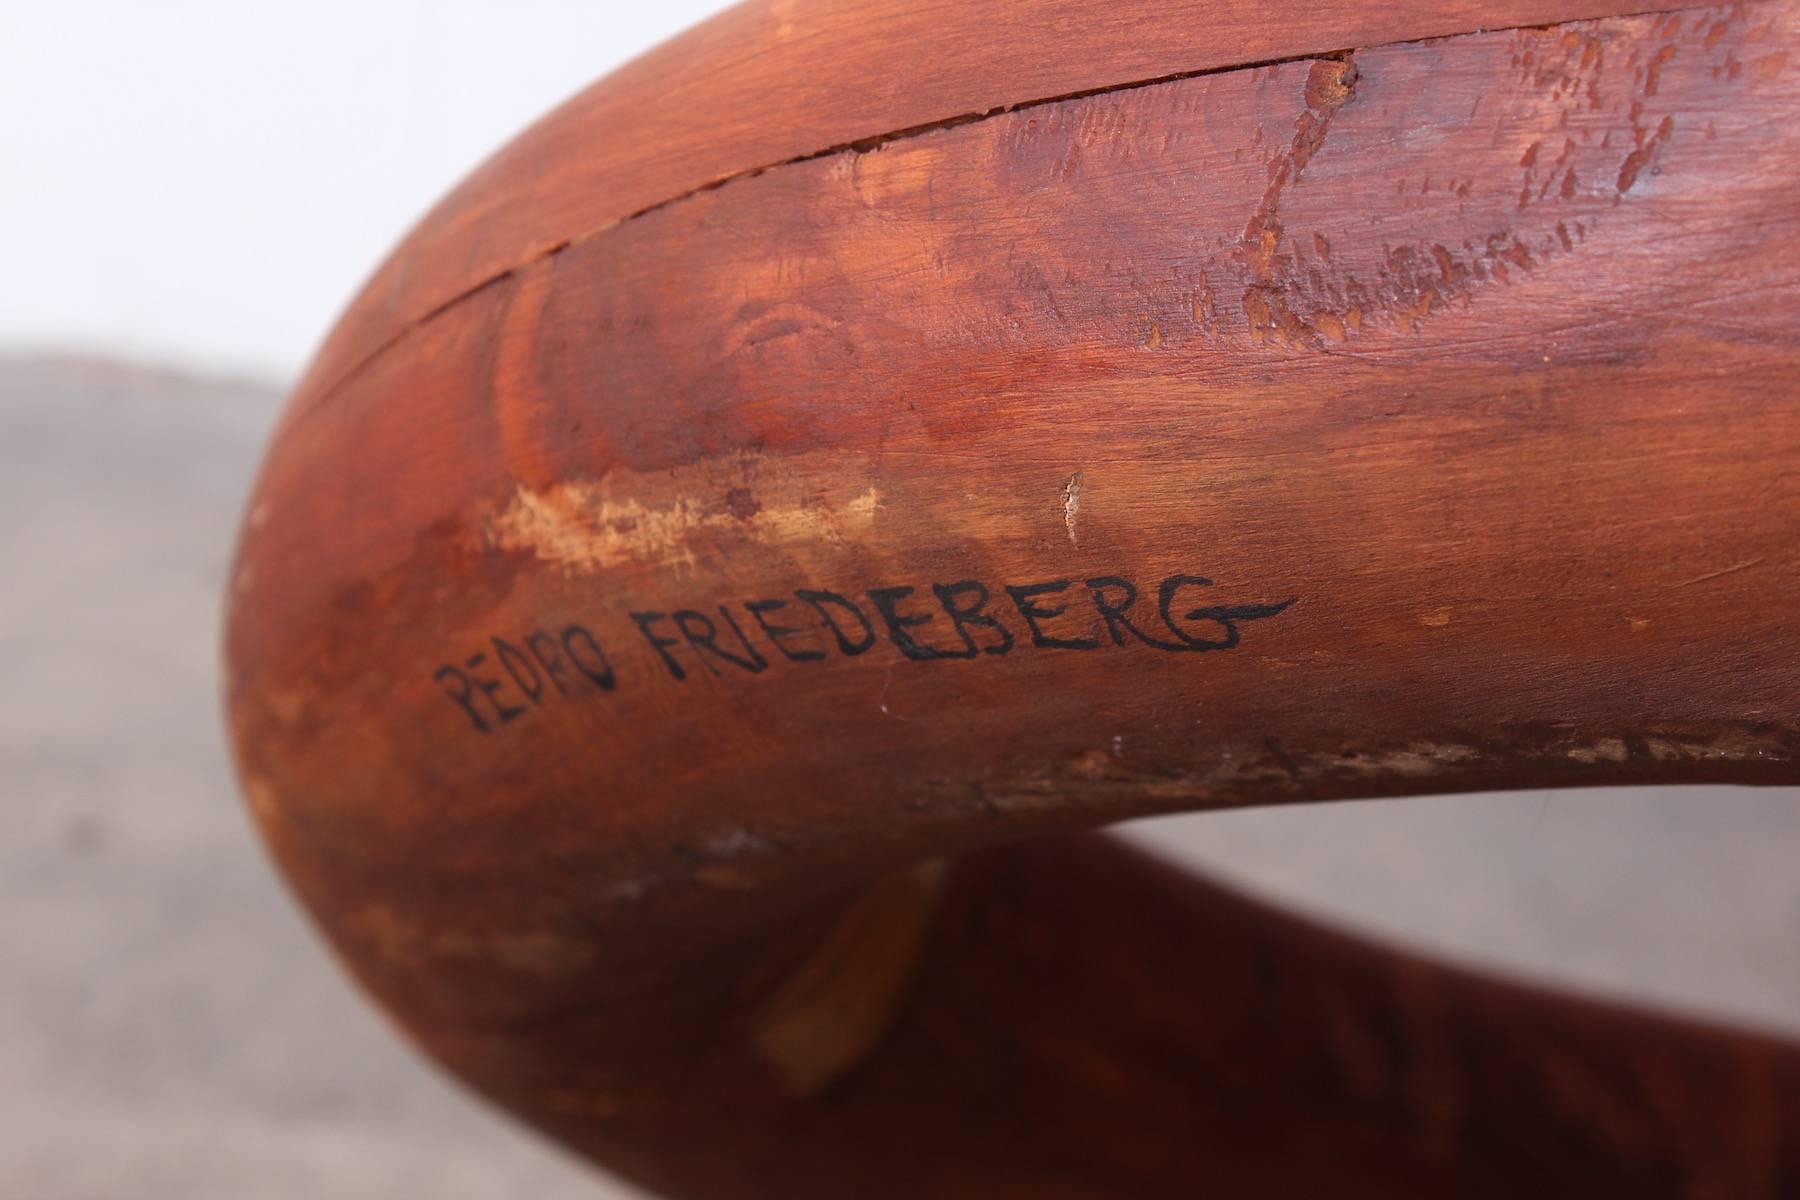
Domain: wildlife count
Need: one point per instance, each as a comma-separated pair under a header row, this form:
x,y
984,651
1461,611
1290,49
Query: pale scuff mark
x,y
727,850
1606,749
1071,498
1738,745
573,527
1091,764
1437,618
584,527
262,797
865,505
1418,759
827,1015
532,952
783,13
735,843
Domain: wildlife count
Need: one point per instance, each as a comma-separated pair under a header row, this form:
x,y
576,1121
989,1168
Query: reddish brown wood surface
x,y
1416,418
764,84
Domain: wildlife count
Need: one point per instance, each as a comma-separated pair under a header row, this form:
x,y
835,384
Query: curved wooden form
x,y
859,439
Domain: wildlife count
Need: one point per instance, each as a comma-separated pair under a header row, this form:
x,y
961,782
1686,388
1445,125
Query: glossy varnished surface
x,y
1416,418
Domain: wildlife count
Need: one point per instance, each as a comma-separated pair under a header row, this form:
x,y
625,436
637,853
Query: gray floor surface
x,y
170,1028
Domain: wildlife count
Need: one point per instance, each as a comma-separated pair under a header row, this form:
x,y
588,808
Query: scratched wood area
x,y
764,84
745,497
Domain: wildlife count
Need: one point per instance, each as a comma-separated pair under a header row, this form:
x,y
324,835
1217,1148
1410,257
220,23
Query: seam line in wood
x,y
872,142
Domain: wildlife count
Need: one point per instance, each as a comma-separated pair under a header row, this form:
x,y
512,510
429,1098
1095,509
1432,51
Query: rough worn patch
x,y
584,526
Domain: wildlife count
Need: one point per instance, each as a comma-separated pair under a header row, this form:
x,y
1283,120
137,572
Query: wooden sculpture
x,y
859,439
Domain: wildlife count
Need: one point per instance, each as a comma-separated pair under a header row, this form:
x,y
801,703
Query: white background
x,y
208,181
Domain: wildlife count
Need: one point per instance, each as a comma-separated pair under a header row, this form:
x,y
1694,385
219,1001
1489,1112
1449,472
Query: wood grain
x,y
765,84
630,602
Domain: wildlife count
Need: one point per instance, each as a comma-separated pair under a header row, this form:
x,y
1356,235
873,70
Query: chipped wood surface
x,y
1303,411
